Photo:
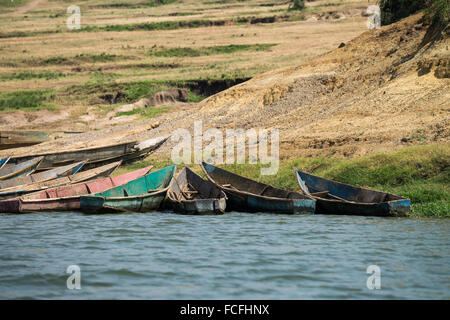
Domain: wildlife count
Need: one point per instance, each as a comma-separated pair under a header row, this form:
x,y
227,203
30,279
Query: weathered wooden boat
x,y
66,198
103,171
21,169
16,139
340,198
140,195
42,176
98,156
190,194
251,196
3,161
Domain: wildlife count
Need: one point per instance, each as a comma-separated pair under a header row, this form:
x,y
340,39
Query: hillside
x,y
61,79
385,89
382,90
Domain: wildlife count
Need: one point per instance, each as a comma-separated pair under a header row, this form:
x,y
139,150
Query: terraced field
x,y
140,47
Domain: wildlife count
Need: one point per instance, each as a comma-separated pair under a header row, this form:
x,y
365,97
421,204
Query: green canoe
x,y
139,195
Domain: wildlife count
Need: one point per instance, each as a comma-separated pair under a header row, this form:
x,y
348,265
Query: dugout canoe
x,y
190,194
339,198
42,176
251,196
3,161
103,171
66,198
17,139
21,169
98,156
140,195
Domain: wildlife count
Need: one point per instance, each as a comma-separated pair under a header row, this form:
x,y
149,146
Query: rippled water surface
x,y
234,256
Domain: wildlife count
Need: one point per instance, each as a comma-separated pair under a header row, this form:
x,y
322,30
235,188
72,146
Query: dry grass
x,y
43,39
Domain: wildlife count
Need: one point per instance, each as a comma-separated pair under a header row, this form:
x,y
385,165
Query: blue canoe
x,y
19,170
344,199
251,196
139,195
3,161
43,176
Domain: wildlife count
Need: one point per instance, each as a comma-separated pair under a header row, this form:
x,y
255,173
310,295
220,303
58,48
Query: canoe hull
x,y
17,139
66,198
41,177
139,195
3,161
98,156
69,180
62,204
200,207
191,194
354,200
251,196
97,205
398,208
252,203
21,169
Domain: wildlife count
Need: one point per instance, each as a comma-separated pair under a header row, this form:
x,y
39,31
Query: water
x,y
234,256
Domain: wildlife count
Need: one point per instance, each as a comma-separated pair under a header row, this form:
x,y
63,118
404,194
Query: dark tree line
x,y
394,10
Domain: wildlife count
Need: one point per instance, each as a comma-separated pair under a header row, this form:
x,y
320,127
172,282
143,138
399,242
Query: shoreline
x,y
416,172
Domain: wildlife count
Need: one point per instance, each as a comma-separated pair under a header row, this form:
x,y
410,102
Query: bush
x,y
439,10
297,5
25,100
394,10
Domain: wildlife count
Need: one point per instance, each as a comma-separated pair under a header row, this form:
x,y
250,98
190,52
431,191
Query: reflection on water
x,y
234,256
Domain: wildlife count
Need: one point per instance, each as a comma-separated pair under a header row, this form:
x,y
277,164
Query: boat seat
x,y
228,185
320,194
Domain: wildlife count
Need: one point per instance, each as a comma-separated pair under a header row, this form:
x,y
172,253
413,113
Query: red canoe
x,y
66,198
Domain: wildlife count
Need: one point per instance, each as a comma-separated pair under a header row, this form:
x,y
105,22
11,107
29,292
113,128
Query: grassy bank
x,y
420,173
30,100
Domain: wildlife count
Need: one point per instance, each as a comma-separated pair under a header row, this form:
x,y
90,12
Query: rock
x,y
341,45
169,96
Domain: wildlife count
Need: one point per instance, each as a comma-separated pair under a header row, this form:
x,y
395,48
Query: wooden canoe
x,y
66,198
251,196
104,171
140,195
3,161
98,156
42,176
340,198
17,139
190,194
21,169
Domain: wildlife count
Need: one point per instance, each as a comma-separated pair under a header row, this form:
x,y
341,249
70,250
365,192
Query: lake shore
x,y
420,173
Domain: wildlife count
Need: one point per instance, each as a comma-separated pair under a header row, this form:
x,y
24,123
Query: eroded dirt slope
x,y
385,89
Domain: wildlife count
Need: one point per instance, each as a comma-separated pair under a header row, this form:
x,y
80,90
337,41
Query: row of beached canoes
x,y
94,191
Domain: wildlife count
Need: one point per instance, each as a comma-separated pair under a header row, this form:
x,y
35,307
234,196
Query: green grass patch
x,y
27,75
26,100
12,4
142,4
145,113
100,84
206,51
73,60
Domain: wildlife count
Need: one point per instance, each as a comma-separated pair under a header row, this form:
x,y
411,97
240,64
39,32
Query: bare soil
x,y
385,89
